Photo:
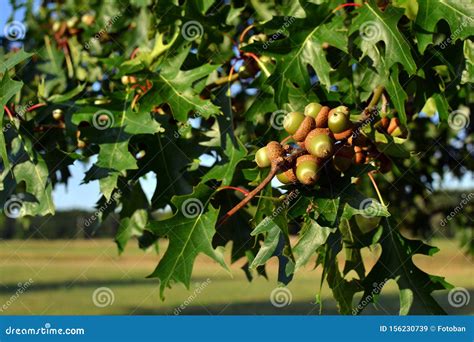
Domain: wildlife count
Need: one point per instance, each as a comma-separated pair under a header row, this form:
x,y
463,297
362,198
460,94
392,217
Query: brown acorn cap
x,y
275,151
306,126
384,122
305,158
318,131
359,156
301,144
344,134
394,123
322,117
311,178
290,174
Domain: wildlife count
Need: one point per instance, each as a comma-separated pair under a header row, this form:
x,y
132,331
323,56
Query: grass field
x,y
65,275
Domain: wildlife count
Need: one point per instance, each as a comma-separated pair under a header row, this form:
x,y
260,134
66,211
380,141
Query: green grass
x,y
65,275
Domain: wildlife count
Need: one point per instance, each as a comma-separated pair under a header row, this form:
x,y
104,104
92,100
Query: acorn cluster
x,y
322,135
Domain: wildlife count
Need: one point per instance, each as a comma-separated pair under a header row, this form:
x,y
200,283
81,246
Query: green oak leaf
x,y
312,236
14,59
116,157
458,14
190,233
373,26
225,171
303,47
133,216
397,94
175,87
8,89
35,175
396,262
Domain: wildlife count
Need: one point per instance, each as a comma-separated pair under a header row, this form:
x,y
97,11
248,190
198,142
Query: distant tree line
x,y
444,213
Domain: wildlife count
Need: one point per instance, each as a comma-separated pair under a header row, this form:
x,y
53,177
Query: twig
x,y
252,194
281,165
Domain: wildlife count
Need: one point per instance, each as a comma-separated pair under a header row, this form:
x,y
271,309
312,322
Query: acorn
x,y
396,130
261,157
306,126
81,143
88,19
383,123
307,169
292,122
287,177
344,134
312,109
394,123
275,151
322,117
58,114
338,120
128,80
359,156
319,144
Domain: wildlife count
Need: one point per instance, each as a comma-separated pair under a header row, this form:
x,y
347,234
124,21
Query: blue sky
x,y
84,196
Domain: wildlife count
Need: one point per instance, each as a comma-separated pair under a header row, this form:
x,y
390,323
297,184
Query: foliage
x,y
144,88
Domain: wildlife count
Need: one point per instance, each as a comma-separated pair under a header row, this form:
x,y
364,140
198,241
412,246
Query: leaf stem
x,y
376,97
244,32
9,113
38,105
245,192
376,188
